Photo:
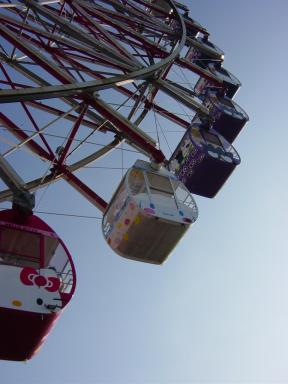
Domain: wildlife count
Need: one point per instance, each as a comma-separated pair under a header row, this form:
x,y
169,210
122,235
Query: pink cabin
x,y
37,280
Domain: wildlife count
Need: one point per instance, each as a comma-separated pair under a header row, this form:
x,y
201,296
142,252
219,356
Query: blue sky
x,y
217,311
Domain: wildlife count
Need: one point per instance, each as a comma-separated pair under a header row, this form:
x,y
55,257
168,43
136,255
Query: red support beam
x,y
16,131
199,71
31,53
136,138
28,113
83,189
73,134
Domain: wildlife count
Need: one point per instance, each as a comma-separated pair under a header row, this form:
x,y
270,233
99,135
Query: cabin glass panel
x,y
160,185
211,138
56,258
117,206
136,182
19,248
182,194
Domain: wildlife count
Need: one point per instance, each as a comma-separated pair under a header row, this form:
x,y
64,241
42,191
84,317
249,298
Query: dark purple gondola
x,y
228,83
161,4
229,117
203,51
203,160
193,27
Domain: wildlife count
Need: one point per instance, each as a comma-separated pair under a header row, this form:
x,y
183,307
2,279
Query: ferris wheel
x,y
81,80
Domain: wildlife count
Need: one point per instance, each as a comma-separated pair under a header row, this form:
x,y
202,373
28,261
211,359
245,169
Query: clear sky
x,y
217,311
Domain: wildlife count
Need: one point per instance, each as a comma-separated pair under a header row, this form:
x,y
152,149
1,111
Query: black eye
x,y
39,301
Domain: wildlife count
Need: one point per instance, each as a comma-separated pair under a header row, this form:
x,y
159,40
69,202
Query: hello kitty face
x,y
186,147
28,289
174,165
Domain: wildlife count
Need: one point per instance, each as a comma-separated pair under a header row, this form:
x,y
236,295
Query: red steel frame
x,y
125,27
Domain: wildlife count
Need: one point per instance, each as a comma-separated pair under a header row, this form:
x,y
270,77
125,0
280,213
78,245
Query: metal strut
x,y
23,201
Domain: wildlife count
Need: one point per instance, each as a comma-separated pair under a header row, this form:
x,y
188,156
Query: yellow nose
x,y
17,303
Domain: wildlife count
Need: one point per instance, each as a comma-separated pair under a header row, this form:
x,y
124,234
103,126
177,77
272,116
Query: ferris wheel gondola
x,y
228,84
149,213
202,50
37,281
203,160
229,117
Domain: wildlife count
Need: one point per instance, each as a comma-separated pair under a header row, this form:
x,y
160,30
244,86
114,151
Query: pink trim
x,y
28,229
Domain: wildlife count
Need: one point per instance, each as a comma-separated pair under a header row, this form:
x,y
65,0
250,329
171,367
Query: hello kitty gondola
x,y
37,280
148,214
229,117
203,160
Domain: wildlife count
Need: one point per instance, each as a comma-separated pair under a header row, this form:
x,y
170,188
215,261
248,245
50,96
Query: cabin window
x,y
136,182
57,259
211,138
19,248
183,196
222,70
227,103
160,185
207,42
50,246
200,63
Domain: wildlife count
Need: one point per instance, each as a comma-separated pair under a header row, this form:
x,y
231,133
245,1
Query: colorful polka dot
x,y
17,303
150,211
137,220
